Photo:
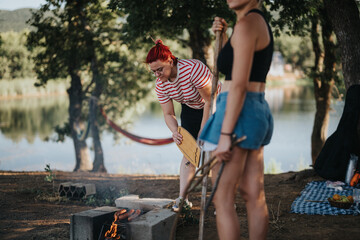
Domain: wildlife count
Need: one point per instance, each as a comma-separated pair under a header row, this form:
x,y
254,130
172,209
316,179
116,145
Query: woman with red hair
x,y
189,82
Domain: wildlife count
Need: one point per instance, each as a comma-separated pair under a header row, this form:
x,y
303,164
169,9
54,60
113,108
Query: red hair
x,y
160,52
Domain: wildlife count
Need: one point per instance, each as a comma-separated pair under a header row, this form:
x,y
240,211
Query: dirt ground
x,y
30,210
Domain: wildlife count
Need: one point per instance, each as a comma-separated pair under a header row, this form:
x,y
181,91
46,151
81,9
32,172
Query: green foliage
x,y
15,59
292,17
308,19
187,216
57,40
171,19
51,175
62,131
295,50
84,38
105,197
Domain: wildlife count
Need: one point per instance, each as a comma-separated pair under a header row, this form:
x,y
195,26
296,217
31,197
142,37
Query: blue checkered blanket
x,y
318,191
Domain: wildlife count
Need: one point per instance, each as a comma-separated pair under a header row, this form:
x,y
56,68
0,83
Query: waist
x,y
251,87
250,96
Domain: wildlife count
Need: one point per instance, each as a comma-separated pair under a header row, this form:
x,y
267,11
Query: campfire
x,y
153,220
119,227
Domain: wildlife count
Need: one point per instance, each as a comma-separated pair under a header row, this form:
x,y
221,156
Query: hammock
x,y
148,141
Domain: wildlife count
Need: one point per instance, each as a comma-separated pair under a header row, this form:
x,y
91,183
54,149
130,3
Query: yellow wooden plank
x,y
189,147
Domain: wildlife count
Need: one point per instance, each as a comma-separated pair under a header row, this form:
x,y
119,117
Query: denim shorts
x,y
255,122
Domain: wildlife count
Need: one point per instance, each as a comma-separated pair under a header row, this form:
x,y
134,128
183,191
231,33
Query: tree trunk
x,y
82,154
321,121
98,164
199,45
323,84
344,16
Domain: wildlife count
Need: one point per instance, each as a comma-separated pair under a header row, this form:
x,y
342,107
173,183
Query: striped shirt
x,y
191,75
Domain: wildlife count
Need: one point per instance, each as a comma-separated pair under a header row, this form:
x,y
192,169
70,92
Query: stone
x,y
154,225
76,190
87,225
145,204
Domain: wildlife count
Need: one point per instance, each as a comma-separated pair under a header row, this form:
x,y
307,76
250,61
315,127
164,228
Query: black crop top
x,y
261,61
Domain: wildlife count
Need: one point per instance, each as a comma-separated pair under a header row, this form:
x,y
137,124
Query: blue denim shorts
x,y
255,122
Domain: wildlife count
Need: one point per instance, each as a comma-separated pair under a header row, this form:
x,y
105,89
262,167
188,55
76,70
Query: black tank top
x,y
261,61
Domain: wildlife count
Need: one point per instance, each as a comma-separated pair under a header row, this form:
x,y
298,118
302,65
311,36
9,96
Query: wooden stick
x,y
215,80
212,103
190,187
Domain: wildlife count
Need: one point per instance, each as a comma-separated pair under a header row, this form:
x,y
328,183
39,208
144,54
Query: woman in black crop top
x,y
241,109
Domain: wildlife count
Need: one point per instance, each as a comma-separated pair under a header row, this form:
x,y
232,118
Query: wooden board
x,y
189,147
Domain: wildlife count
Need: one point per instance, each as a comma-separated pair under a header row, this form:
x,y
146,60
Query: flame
x,y
112,232
118,216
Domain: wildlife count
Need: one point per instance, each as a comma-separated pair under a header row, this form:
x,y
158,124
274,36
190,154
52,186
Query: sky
x,y
16,4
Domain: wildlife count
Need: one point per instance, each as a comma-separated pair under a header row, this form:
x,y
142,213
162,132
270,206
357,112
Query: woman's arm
x,y
170,120
205,93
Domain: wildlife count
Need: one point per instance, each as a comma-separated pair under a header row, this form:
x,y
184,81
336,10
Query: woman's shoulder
x,y
159,83
189,64
188,61
245,29
246,23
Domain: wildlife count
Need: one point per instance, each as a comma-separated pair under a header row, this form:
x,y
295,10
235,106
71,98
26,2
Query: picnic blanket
x,y
318,191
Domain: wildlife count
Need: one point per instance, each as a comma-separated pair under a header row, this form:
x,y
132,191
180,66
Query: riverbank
x,y
30,211
21,88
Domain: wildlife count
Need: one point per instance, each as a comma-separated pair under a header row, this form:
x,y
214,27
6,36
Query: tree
x,y
173,19
302,18
15,59
80,39
344,16
62,52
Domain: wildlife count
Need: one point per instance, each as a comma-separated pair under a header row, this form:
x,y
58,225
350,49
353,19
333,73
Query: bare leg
x,y
226,217
187,171
252,190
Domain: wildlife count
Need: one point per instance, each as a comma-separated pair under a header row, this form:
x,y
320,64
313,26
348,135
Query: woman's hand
x,y
219,24
177,137
223,152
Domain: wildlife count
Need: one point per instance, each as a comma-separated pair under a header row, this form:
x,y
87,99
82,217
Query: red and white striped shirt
x,y
191,75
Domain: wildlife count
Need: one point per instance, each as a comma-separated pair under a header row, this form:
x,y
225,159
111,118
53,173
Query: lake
x,y
26,133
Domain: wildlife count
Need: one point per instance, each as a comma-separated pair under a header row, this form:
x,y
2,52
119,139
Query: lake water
x,y
24,124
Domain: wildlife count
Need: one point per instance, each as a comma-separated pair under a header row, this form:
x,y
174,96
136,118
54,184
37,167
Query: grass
x,y
275,220
105,197
26,87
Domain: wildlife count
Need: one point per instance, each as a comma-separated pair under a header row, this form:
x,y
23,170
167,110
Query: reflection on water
x,y
31,118
290,99
25,123
293,110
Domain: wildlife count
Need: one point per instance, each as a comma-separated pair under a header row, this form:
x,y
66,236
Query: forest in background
x,y
17,76
89,44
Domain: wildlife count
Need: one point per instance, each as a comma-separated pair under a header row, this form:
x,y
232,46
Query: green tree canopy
x,y
15,59
186,21
81,40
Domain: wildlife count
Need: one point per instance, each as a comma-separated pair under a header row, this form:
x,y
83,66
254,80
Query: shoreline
x,y
85,173
26,96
